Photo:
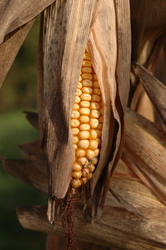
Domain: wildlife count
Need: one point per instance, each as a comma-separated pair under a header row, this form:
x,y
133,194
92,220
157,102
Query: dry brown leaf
x,y
16,13
117,227
145,152
155,90
10,47
148,23
32,117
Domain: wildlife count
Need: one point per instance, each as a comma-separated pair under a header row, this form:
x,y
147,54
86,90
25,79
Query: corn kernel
x,y
84,111
86,76
95,77
75,114
86,70
97,91
94,113
76,106
90,154
92,134
95,98
93,122
75,131
93,144
87,90
82,161
84,104
77,166
86,64
84,127
94,105
75,139
76,174
83,144
78,92
85,97
80,152
83,134
79,85
87,83
77,99
74,123
84,119
96,84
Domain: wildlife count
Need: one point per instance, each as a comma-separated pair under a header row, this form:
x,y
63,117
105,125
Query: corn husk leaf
x,y
10,47
32,117
13,17
116,228
155,90
15,24
148,23
97,28
144,152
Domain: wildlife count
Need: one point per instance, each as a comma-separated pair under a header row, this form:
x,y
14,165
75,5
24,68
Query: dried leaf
x,y
32,172
155,90
148,22
117,227
10,47
144,152
32,151
12,17
32,117
126,204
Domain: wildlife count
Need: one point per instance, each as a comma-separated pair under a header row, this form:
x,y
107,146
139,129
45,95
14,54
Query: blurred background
x,y
19,93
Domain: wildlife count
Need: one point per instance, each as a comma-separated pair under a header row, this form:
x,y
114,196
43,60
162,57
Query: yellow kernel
x,y
95,77
83,134
94,105
86,76
75,139
91,168
77,99
84,111
100,126
80,152
76,106
90,154
80,78
94,161
84,119
93,122
85,172
77,166
78,92
97,91
90,176
93,144
99,132
82,161
86,70
94,113
84,180
75,146
84,104
92,134
83,144
75,114
84,127
87,90
76,174
87,83
101,119
76,183
75,131
97,151
75,158
86,56
99,141
95,98
96,84
85,97
86,64
74,123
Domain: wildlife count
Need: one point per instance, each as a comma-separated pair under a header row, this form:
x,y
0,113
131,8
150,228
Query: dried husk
x,y
15,24
97,25
155,90
144,152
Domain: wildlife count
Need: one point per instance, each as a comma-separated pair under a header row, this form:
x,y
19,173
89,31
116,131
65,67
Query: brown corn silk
x,y
67,29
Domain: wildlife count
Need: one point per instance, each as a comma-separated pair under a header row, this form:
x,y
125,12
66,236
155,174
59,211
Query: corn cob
x,y
86,124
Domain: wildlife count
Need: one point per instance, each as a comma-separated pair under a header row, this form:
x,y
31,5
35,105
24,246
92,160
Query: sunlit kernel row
x,y
86,124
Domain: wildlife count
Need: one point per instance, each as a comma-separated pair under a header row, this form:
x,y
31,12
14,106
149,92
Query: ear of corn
x,y
86,124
